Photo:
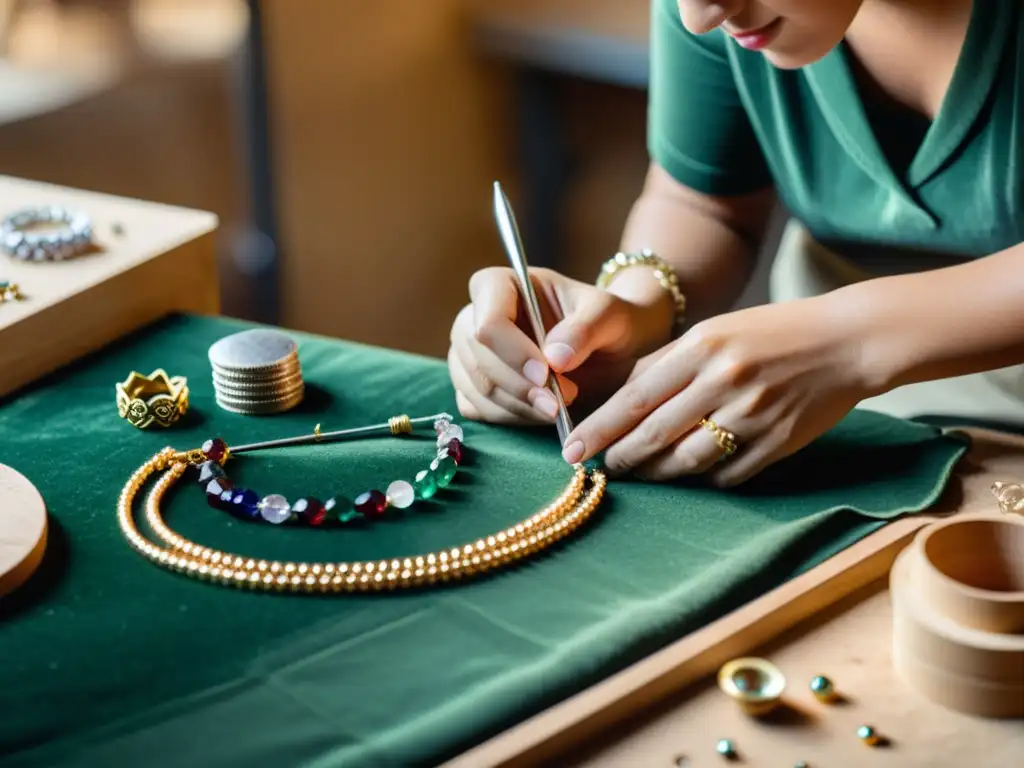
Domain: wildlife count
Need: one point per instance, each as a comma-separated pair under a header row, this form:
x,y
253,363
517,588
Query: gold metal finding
x,y
571,509
316,432
1009,496
157,399
400,425
755,684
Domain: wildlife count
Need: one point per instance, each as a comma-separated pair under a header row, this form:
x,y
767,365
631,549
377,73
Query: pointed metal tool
x,y
514,248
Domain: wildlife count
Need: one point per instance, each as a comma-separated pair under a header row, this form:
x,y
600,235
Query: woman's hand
x,y
775,376
500,374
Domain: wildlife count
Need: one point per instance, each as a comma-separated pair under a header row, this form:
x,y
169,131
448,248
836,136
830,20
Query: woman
x,y
892,131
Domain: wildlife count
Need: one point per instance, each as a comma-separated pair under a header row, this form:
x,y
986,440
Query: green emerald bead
x,y
445,471
425,485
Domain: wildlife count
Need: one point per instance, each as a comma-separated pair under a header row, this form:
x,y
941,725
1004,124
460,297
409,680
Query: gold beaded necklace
x,y
573,507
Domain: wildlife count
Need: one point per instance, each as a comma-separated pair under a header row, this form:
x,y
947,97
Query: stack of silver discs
x,y
257,372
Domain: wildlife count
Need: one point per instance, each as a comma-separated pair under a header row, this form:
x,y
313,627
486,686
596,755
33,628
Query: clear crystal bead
x,y
453,432
275,509
401,494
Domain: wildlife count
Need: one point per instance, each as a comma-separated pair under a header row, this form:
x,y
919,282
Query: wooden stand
x,y
148,260
22,529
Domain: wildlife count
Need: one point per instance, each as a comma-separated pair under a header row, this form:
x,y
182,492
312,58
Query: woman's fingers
x,y
629,407
699,450
491,403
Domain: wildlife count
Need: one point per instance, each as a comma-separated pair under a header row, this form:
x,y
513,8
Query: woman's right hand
x,y
593,341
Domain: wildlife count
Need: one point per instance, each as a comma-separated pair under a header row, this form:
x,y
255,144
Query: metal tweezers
x,y
514,247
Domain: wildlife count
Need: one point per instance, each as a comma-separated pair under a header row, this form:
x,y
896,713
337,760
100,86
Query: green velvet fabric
x,y
889,189
110,661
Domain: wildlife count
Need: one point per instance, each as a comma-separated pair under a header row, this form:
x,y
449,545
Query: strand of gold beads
x,y
573,507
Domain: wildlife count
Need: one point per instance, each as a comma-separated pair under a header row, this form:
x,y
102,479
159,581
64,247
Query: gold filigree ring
x,y
155,399
726,440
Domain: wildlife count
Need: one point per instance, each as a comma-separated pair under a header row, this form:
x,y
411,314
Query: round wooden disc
x,y
22,529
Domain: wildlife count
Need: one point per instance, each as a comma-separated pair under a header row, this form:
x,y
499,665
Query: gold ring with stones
x,y
726,440
157,399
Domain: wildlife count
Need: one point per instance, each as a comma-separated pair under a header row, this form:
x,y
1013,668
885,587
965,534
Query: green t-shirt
x,y
888,188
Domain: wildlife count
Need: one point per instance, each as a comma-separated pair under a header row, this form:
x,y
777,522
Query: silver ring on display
x,y
64,233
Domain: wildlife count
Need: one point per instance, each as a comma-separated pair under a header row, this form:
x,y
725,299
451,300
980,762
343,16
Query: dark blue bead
x,y
209,470
245,504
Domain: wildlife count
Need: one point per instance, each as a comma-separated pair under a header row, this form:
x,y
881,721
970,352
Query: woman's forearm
x,y
938,324
710,242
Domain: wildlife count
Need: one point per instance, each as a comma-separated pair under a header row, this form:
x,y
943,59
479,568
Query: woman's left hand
x,y
775,376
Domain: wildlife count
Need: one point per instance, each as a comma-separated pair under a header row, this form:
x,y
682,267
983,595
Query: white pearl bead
x,y
275,508
401,494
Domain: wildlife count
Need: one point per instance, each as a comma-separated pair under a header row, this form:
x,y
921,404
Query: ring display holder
x,y
145,260
23,529
958,615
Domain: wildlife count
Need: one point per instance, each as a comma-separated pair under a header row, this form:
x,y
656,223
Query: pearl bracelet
x,y
72,237
663,273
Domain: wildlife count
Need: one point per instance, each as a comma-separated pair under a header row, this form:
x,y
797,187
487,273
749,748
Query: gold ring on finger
x,y
726,440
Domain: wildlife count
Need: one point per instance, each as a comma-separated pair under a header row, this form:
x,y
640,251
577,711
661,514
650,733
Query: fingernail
x,y
559,355
536,372
573,452
544,402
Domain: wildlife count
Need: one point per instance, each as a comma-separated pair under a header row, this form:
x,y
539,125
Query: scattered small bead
x,y
801,764
425,484
310,511
822,688
275,509
726,748
371,504
215,449
401,493
868,735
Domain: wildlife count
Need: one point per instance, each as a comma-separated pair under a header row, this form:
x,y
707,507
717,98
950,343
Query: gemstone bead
x,y
209,470
441,425
402,494
868,735
455,450
310,511
275,509
245,504
339,508
822,688
215,491
425,485
451,432
726,748
371,504
445,471
215,449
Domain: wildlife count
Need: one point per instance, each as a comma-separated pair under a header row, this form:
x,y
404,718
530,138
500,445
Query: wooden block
x,y
149,260
23,529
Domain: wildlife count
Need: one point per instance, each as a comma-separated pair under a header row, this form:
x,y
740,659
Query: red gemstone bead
x,y
455,450
371,503
216,490
214,449
310,510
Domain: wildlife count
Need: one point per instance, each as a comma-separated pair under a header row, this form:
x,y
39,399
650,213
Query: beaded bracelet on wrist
x,y
246,504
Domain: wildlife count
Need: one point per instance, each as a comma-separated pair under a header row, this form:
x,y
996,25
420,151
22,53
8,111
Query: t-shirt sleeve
x,y
697,128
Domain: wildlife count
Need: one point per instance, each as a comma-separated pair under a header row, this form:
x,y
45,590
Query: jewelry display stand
x,y
146,260
22,529
835,620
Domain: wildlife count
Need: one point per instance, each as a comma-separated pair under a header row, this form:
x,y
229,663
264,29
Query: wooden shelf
x,y
602,40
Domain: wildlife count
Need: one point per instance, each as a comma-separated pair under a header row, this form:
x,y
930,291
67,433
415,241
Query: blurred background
x,y
348,146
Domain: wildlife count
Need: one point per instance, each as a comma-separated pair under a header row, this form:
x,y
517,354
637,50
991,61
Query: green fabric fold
x,y
111,661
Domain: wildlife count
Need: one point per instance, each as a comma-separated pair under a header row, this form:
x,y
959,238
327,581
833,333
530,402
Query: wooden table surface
x,y
603,40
